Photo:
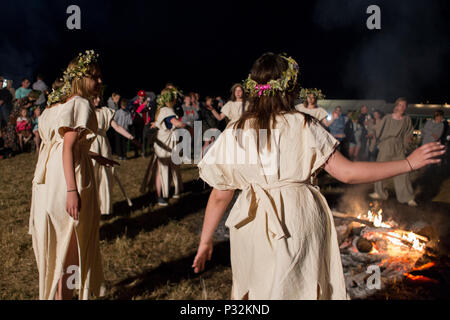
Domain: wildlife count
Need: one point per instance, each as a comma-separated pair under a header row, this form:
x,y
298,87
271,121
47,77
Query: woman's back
x,y
298,149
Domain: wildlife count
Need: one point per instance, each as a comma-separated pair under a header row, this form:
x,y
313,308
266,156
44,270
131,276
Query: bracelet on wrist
x,y
412,169
74,190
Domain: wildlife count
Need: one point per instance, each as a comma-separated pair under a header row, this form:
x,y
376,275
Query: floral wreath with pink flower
x,y
284,84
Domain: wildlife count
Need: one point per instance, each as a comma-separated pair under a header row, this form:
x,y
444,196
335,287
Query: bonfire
x,y
369,243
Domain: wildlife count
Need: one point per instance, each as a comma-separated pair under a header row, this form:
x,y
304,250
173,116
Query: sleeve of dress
x,y
214,169
109,116
323,114
226,110
75,116
323,145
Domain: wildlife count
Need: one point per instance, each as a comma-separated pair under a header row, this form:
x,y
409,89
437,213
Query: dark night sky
x,y
208,47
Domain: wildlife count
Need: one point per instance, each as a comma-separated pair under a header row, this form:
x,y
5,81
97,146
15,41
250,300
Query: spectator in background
x,y
190,114
363,152
195,103
23,128
5,105
40,85
123,119
337,125
139,110
9,86
113,101
371,135
208,122
352,135
24,90
434,128
35,126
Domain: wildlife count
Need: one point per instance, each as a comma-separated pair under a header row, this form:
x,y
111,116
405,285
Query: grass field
x,y
147,251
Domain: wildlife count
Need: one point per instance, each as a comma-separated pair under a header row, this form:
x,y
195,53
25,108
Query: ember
x,y
375,242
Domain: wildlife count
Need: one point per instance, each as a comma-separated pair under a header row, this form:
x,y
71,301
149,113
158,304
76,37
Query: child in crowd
x,y
23,128
34,122
123,119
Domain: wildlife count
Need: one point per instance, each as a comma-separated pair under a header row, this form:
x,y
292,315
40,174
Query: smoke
x,y
407,57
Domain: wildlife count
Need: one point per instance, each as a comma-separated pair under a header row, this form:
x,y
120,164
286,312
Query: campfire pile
x,y
372,248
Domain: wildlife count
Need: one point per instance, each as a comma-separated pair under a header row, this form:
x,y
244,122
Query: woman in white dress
x,y
166,122
105,175
309,105
64,216
282,236
234,108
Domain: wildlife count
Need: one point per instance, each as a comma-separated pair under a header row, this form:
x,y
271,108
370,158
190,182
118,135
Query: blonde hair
x,y
168,104
80,86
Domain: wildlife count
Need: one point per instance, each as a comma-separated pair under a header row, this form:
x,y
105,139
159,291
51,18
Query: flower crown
x,y
169,94
316,92
78,71
285,83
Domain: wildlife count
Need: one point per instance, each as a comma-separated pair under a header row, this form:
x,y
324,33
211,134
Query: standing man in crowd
x,y
24,90
40,85
5,104
362,142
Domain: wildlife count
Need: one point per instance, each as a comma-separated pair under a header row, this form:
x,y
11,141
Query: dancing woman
x,y
234,108
166,122
104,175
282,236
309,105
65,214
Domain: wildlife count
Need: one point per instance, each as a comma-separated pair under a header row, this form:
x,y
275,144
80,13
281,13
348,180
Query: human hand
x,y
335,115
73,204
204,253
425,155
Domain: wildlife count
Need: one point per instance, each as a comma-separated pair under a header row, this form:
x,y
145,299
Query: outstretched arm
x,y
350,172
120,130
217,204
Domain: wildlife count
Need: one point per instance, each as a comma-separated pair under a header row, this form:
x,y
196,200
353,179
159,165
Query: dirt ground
x,y
148,250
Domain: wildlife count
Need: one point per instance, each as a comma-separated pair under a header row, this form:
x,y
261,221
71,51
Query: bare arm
x,y
217,204
218,116
350,172
177,123
73,203
326,123
120,130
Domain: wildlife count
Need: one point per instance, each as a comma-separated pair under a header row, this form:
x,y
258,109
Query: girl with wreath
x,y
166,121
282,236
105,175
309,105
234,108
65,213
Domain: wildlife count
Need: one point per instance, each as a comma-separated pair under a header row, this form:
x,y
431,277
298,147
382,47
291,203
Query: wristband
x,y
412,169
74,190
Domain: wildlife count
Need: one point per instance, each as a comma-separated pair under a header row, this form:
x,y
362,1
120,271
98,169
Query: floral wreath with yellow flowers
x,y
316,92
71,73
285,83
168,95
